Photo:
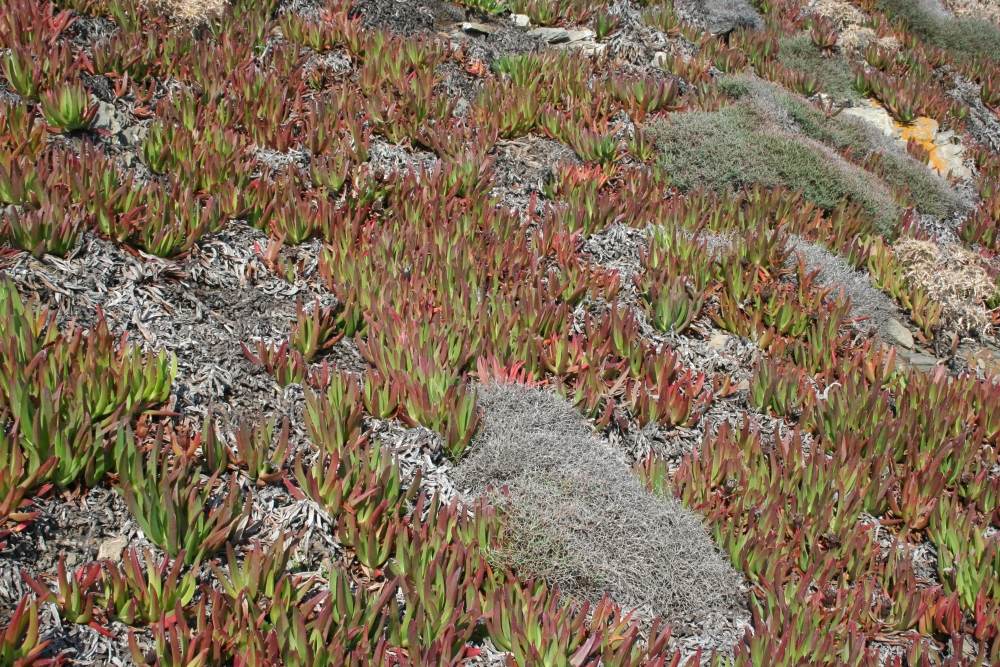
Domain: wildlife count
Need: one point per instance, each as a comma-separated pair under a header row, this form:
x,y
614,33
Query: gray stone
x,y
521,21
899,333
106,119
135,134
922,362
551,35
477,29
580,35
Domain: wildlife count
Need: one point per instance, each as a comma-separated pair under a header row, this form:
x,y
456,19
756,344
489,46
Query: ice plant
x,y
52,229
823,33
260,571
176,511
605,24
313,333
68,109
74,597
19,641
253,449
133,596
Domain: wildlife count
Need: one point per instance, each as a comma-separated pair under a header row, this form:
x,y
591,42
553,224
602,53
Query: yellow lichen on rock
x,y
947,155
944,156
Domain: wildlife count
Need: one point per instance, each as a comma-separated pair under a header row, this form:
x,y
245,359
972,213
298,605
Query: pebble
x,y
718,341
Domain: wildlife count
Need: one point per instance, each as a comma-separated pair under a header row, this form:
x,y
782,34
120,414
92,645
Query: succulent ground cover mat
x,y
534,333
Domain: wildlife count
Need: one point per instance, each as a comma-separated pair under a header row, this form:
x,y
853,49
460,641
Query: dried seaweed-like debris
x,y
954,277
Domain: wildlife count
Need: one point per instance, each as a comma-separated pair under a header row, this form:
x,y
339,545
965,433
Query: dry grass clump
x,y
842,13
191,11
725,15
952,276
578,517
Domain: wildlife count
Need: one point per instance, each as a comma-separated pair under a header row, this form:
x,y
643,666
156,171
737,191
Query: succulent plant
x,y
176,510
68,109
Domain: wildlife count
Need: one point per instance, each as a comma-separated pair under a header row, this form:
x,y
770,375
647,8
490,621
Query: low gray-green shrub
x,y
800,54
738,146
969,37
575,515
773,136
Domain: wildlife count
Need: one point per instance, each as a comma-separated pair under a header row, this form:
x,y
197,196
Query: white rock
x,y
877,116
520,21
658,59
111,549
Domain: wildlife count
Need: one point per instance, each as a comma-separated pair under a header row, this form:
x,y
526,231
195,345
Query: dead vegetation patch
x,y
952,276
191,11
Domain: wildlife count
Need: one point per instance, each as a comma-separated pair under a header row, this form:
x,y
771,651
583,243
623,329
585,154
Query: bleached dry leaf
x,y
953,277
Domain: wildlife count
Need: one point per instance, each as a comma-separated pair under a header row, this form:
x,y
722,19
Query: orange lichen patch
x,y
923,130
944,157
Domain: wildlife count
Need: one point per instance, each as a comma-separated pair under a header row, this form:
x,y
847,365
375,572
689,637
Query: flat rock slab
x,y
551,35
478,29
111,549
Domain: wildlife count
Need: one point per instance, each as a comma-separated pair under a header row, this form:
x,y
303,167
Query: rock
x,y
922,362
946,154
551,35
587,48
719,341
477,29
874,114
744,385
658,59
111,549
899,333
521,21
135,134
580,35
106,120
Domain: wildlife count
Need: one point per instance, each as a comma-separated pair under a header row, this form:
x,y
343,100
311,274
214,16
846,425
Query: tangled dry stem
x,y
952,276
577,516
191,11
